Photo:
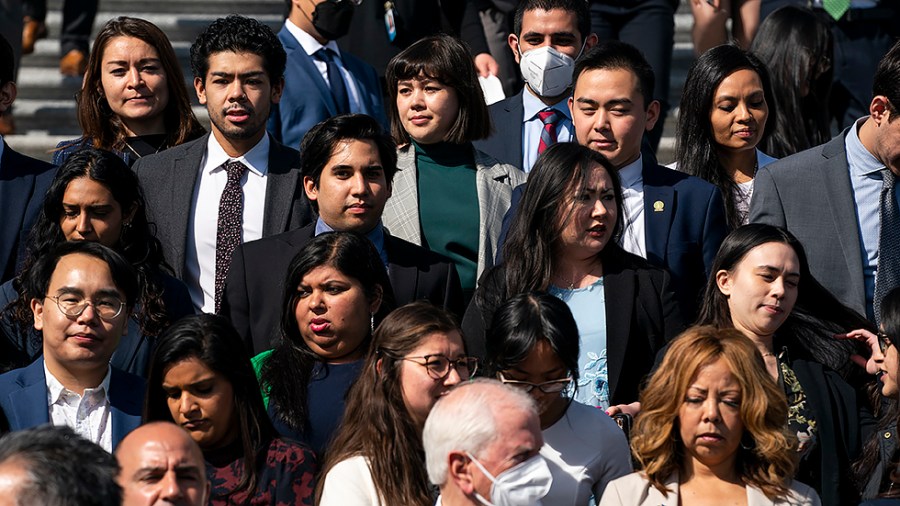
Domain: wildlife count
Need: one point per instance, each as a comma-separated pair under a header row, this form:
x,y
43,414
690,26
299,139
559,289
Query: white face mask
x,y
547,71
521,485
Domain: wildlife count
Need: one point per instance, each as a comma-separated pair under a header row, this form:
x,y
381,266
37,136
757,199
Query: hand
x,y
629,409
486,65
871,340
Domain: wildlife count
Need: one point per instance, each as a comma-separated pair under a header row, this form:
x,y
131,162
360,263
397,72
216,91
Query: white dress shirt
x,y
200,251
633,228
310,45
531,130
88,415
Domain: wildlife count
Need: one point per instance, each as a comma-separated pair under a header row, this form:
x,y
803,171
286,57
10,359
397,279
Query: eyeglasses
x,y
107,308
884,342
548,387
438,366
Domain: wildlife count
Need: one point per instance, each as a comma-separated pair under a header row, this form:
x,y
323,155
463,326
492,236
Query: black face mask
x,y
332,19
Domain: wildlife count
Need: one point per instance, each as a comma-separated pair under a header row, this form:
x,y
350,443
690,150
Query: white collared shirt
x,y
533,126
633,231
200,250
88,415
310,45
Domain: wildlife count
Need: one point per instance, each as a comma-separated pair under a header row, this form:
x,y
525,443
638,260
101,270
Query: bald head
x,y
161,465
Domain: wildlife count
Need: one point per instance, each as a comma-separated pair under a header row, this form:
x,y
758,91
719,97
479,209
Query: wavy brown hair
x,y
104,128
376,422
768,464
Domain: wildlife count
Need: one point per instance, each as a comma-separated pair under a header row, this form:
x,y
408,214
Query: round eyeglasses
x,y
438,366
548,387
107,308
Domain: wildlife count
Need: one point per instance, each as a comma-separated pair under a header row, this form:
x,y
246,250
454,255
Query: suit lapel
x,y
282,186
183,174
659,210
125,405
31,399
619,290
515,112
13,200
401,214
492,204
297,55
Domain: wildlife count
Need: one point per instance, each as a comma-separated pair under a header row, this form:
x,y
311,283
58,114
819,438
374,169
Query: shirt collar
x,y
861,161
631,174
257,159
309,43
376,236
532,106
55,389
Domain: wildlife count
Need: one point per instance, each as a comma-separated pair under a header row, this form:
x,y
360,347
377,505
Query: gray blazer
x,y
495,182
168,180
810,195
635,490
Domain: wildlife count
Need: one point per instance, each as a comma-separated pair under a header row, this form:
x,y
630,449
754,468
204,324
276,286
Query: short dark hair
x,y
887,79
7,62
239,34
62,468
319,142
614,55
212,339
445,59
38,281
579,7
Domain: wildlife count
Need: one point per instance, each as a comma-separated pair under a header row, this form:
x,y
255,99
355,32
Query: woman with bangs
x,y
711,430
437,110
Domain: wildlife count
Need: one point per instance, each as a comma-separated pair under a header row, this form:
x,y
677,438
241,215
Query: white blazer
x,y
635,490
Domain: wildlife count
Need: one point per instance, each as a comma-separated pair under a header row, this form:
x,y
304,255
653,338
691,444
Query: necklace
x,y
742,198
138,155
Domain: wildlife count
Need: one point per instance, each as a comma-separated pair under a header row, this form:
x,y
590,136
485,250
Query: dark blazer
x,y
168,180
23,183
255,284
810,195
65,149
23,399
684,225
505,144
307,100
641,317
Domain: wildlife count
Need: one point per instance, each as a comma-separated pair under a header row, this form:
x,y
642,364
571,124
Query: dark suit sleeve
x,y
508,218
673,323
766,206
473,331
235,303
453,294
715,229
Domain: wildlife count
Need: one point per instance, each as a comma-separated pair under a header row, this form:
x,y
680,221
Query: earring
x,y
748,445
372,322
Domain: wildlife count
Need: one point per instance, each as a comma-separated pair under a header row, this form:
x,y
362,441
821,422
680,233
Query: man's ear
x,y
277,89
200,88
458,471
7,95
513,41
310,188
880,109
652,115
37,309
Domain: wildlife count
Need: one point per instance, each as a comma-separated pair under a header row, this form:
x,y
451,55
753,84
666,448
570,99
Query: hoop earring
x,y
749,446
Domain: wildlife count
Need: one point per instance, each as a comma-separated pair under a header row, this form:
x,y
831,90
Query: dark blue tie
x,y
335,80
887,277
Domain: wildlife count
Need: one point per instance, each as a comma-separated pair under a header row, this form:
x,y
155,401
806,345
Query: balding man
x,y
482,444
161,464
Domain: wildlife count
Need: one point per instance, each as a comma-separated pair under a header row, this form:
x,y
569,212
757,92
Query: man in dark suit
x,y
311,93
835,197
23,180
82,294
235,184
348,165
562,28
673,220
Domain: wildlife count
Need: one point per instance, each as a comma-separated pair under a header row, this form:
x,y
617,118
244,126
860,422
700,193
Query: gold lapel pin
x,y
659,206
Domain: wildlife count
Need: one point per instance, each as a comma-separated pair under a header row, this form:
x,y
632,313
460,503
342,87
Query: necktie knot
x,y
324,54
549,117
235,170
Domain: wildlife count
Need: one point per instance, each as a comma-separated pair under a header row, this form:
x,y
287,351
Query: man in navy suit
x,y
81,295
348,164
559,27
673,220
320,80
23,180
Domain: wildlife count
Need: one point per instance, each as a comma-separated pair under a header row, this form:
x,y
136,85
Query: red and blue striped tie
x,y
548,135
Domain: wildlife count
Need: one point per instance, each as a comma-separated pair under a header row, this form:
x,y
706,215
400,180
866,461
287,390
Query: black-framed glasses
x,y
884,342
548,387
438,366
107,308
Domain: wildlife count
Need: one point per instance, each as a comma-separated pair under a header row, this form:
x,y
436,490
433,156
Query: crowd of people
x,y
348,294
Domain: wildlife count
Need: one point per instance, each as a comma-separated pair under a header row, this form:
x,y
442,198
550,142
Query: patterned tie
x,y
836,8
335,80
228,229
548,134
887,276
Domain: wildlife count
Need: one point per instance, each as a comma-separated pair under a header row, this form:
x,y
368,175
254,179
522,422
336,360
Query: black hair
x,y
61,468
239,34
578,7
616,55
523,320
286,373
887,79
447,60
695,145
7,62
212,339
320,141
796,46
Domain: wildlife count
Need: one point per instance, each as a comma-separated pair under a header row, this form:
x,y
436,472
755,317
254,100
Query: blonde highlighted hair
x,y
769,462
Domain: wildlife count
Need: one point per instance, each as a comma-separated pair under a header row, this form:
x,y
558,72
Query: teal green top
x,y
448,206
257,363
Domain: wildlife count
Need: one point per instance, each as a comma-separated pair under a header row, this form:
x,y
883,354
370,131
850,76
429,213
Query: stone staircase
x,y
45,107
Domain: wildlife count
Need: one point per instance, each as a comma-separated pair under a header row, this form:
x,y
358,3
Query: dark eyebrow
x,y
587,101
773,270
245,75
123,62
542,35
